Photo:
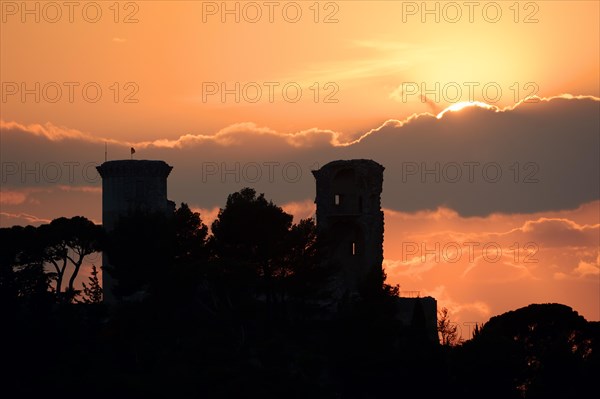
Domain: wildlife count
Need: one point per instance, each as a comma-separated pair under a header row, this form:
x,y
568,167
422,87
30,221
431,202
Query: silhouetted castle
x,y
128,186
348,214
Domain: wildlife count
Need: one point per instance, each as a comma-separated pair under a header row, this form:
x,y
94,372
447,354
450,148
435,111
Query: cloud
x,y
24,196
562,266
497,272
36,205
414,267
556,232
238,134
532,157
301,210
369,59
241,134
22,219
464,313
48,131
588,268
82,189
12,197
30,195
490,248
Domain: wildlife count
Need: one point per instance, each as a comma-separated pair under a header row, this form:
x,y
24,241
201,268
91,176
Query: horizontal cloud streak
x,y
528,158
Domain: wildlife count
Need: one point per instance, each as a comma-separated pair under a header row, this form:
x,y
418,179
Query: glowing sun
x,y
464,104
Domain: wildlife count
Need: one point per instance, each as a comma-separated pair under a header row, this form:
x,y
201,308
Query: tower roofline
x,y
134,167
343,163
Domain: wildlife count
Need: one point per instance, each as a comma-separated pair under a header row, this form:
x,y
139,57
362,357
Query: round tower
x,y
128,186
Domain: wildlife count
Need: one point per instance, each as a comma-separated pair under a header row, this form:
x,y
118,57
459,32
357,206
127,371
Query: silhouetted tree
x,y
190,236
145,250
447,330
29,249
374,285
92,293
307,277
11,244
83,238
68,241
476,330
539,351
252,232
22,272
56,250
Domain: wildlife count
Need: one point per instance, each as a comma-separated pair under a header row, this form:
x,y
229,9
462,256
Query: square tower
x,y
350,219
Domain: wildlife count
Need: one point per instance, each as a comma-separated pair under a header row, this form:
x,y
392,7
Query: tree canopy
x,y
241,311
61,246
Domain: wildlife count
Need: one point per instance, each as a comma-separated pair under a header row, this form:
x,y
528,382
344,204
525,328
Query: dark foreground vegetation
x,y
251,312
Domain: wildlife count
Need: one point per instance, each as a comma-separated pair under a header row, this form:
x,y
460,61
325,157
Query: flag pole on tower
x,y
132,152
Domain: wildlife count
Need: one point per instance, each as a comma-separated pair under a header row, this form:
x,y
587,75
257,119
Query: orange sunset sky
x,y
220,90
